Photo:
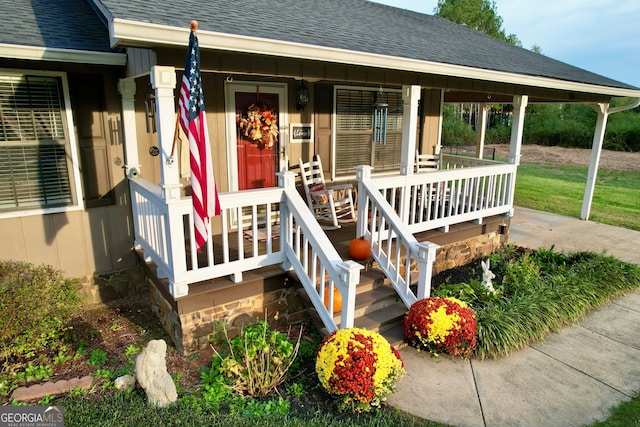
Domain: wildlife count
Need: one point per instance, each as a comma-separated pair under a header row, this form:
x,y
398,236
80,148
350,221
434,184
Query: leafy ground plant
x,y
538,292
314,407
256,361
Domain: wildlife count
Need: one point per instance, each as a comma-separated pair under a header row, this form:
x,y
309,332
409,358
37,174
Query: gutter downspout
x,y
603,111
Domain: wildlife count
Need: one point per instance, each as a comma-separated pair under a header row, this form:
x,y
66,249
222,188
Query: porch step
x,y
377,309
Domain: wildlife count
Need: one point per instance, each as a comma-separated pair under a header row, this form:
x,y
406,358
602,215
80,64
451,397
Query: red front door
x,y
258,139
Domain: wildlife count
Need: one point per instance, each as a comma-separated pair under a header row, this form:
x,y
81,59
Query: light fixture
x,y
302,96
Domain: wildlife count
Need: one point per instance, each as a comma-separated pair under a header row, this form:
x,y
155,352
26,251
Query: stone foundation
x,y
461,253
191,320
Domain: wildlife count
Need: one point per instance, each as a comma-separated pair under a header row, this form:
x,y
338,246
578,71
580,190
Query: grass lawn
x,y
625,415
560,188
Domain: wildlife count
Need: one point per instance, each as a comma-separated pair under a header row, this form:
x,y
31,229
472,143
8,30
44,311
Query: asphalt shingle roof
x,y
61,24
357,25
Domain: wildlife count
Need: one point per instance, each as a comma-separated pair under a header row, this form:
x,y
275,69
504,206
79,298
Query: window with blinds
x,y
354,130
35,170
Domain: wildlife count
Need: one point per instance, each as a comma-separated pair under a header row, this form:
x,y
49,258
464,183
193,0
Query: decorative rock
x,y
37,391
124,382
151,373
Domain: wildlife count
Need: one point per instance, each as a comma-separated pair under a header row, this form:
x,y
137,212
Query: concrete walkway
x,y
573,378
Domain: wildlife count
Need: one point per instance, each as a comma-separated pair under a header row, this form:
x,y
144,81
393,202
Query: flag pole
x,y
194,28
175,138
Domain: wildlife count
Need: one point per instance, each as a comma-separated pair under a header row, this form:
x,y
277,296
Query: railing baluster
x,y
225,236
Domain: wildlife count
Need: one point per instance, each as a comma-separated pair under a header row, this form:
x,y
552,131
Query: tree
x,y
479,15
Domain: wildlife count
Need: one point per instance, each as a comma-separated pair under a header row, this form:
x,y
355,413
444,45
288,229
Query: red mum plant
x,y
359,367
441,325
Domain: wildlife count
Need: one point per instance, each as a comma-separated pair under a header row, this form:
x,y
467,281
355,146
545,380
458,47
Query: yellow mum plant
x,y
359,367
441,325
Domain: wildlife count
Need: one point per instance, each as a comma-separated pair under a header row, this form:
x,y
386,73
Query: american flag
x,y
194,125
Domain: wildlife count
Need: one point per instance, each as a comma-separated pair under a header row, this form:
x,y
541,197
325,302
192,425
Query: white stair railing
x,y
392,208
316,262
393,246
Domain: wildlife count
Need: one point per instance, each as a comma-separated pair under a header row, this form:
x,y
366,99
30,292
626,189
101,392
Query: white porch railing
x,y
467,190
256,229
401,205
273,226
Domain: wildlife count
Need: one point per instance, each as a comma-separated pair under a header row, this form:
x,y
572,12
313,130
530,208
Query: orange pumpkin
x,y
359,248
337,299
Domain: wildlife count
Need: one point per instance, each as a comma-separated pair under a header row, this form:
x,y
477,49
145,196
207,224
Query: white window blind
x,y
354,128
35,171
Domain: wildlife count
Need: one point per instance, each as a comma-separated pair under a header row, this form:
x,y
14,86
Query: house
x,y
95,170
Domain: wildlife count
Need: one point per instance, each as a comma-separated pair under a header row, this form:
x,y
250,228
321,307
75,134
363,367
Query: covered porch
x,y
266,239
268,254
267,250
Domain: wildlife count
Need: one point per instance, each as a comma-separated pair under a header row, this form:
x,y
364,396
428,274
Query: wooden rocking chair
x,y
330,205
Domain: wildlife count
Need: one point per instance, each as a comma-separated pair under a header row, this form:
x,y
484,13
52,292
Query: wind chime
x,y
380,110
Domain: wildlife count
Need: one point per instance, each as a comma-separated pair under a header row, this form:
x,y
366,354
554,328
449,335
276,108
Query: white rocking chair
x,y
427,162
330,205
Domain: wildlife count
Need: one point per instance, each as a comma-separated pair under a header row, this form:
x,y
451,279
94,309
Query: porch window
x,y
36,170
354,130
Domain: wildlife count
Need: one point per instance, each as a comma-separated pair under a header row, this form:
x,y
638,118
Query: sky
x,y
601,36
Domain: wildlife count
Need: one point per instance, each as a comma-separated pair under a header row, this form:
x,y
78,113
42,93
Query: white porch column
x,y
440,120
596,149
127,89
481,128
517,126
163,81
410,100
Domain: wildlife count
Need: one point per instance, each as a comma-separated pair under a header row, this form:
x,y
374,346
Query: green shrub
x,y
623,132
36,302
498,135
254,362
456,132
